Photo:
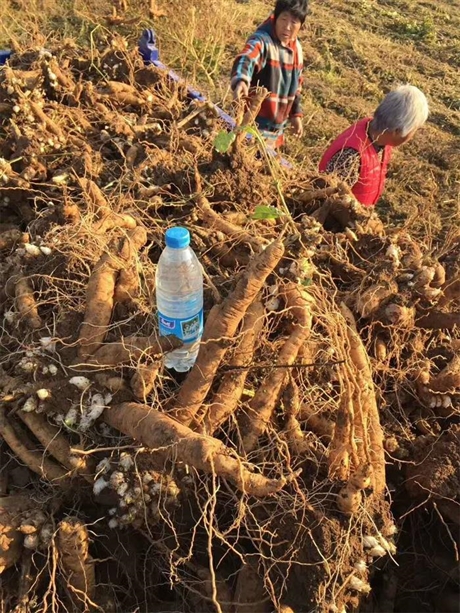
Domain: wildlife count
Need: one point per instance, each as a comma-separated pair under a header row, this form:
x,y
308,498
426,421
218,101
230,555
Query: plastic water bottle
x,y
179,295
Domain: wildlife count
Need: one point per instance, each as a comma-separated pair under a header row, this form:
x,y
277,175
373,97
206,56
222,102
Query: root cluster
x,y
257,481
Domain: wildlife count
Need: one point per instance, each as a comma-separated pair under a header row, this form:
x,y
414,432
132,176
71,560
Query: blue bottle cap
x,y
177,237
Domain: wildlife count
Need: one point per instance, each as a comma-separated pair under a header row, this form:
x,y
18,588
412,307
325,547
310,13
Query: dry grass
x,y
355,52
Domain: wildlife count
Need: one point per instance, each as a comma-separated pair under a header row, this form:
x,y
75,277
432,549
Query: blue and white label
x,y
188,330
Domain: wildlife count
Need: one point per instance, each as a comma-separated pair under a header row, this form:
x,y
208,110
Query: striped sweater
x,y
265,62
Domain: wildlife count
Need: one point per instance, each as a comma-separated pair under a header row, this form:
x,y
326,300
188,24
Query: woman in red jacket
x,y
361,154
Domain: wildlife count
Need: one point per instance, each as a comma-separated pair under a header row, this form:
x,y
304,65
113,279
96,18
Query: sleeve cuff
x,y
236,80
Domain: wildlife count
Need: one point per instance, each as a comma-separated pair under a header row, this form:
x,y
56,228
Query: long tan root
x,y
46,119
35,460
100,292
133,348
315,422
76,564
114,220
231,387
437,320
55,443
160,432
261,407
26,304
99,304
95,198
231,312
365,421
296,438
249,115
216,221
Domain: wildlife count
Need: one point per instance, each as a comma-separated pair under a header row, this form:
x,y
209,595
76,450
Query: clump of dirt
x,y
435,473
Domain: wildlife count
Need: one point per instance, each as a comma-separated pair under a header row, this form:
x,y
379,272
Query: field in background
x,y
354,53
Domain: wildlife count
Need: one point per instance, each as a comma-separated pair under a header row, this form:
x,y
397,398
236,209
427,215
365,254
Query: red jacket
x,y
369,186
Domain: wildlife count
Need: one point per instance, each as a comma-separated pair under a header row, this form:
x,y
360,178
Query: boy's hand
x,y
297,126
241,90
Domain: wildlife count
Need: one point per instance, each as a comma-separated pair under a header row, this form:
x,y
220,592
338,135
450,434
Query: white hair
x,y
403,110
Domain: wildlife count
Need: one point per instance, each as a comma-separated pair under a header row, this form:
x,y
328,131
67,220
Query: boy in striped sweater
x,y
272,58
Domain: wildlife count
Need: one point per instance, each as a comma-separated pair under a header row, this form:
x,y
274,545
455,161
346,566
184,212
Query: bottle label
x,y
188,330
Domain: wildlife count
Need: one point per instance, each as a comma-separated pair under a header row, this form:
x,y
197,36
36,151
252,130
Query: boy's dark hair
x,y
297,8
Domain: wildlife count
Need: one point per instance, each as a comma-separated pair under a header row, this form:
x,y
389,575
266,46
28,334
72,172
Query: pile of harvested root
x,y
257,481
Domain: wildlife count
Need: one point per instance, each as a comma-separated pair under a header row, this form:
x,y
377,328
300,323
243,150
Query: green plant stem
x,y
277,182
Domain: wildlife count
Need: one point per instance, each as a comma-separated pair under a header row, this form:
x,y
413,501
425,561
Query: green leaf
x,y
223,141
250,130
266,212
307,282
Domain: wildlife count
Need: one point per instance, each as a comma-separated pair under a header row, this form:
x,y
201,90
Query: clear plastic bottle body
x,y
179,296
